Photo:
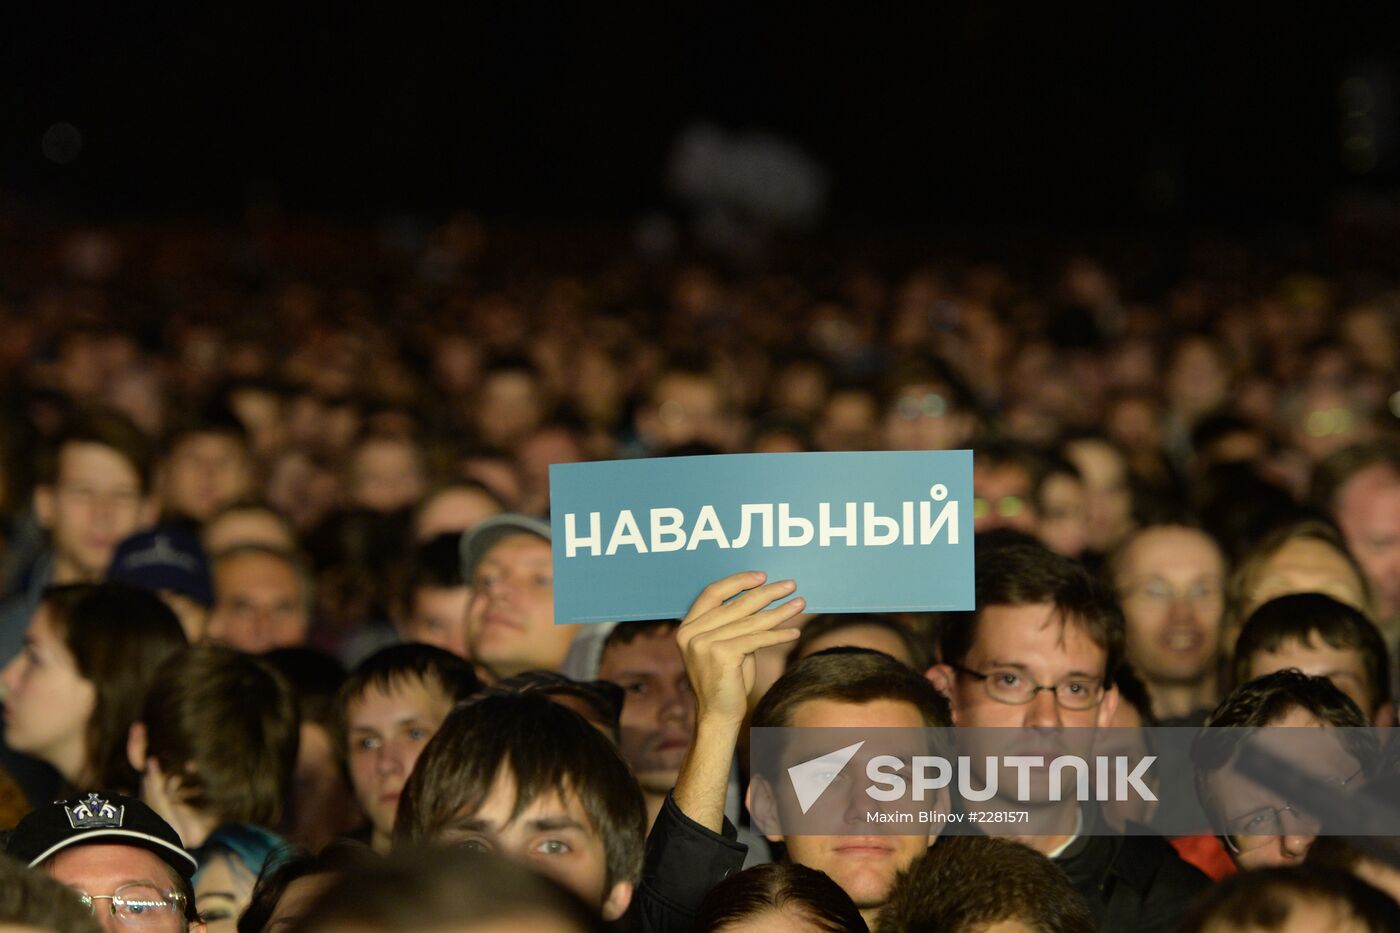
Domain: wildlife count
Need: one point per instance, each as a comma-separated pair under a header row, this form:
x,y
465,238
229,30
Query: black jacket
x,y
1133,884
684,860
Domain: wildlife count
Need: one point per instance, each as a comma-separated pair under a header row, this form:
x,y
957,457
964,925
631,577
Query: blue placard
x,y
859,532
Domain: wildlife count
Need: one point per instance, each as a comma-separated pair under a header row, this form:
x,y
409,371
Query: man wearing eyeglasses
x,y
1171,582
1259,828
126,864
1039,655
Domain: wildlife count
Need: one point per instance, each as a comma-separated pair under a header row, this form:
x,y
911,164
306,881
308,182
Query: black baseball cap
x,y
98,817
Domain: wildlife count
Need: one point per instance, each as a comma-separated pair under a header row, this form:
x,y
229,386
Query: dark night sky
x,y
982,111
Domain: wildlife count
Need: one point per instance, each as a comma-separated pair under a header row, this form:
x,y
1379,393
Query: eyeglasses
x,y
139,904
1015,689
1006,507
1159,591
931,405
1252,830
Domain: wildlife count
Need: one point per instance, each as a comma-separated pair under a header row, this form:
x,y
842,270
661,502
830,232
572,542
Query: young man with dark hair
x,y
658,709
846,688
390,706
1284,698
207,466
1319,636
692,845
216,742
92,492
972,884
1041,652
126,863
529,779
432,604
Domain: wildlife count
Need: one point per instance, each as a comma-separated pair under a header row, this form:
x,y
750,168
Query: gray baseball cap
x,y
489,533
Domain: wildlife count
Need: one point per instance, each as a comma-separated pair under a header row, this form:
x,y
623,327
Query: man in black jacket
x,y
1040,653
692,846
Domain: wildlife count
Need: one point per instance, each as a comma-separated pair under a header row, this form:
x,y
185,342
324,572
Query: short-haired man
x,y
1170,581
206,468
658,709
510,620
128,865
390,706
531,780
849,688
262,599
1261,837
432,604
1041,652
1321,637
725,626
92,492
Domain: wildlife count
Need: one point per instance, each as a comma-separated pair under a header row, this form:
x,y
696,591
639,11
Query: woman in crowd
x,y
73,692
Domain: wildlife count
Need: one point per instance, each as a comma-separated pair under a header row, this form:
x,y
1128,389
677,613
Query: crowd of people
x,y
277,622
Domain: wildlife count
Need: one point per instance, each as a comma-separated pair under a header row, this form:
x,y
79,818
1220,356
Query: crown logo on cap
x,y
94,813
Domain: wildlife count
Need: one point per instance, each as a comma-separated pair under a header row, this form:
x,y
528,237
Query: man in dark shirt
x,y
1040,653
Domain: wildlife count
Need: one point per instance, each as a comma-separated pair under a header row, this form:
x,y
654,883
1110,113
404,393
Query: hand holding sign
x,y
720,634
718,638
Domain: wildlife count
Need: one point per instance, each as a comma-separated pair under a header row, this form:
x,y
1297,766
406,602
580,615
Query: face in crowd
x,y
1018,648
101,871
658,713
1368,511
510,620
48,700
865,867
386,732
95,500
259,601
1170,581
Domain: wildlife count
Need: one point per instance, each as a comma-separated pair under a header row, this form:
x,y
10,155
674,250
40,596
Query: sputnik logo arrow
x,y
811,778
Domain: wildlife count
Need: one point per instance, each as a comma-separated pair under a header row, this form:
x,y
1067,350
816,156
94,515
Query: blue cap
x,y
165,559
